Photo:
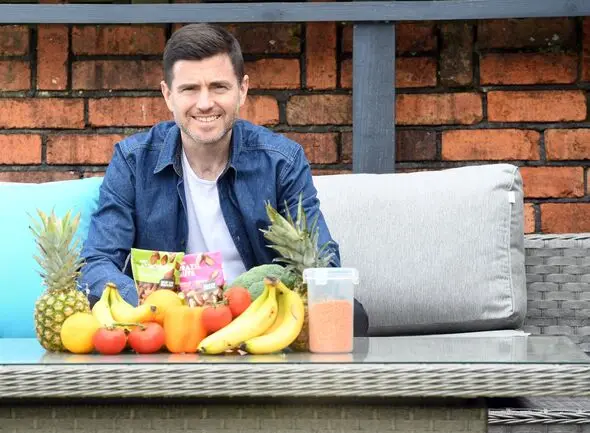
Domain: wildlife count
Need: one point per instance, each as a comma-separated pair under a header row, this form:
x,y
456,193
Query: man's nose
x,y
204,101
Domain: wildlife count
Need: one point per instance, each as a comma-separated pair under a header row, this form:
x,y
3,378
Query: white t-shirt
x,y
207,230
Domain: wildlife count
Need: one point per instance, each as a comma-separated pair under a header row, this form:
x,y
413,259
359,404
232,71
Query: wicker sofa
x,y
558,288
556,267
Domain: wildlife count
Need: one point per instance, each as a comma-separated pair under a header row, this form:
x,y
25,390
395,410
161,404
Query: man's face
x,y
205,98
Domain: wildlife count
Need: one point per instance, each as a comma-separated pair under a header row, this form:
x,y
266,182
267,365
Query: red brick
x,y
529,68
52,57
586,50
261,110
37,176
414,37
41,113
565,217
438,109
143,111
14,75
14,40
536,106
319,148
93,174
546,182
529,218
346,41
456,54
319,110
346,73
564,144
410,145
410,72
490,144
110,39
267,38
329,171
117,74
527,33
415,72
81,149
274,74
320,55
20,149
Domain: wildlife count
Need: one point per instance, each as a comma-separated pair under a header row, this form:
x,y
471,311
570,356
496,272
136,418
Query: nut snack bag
x,y
201,277
154,270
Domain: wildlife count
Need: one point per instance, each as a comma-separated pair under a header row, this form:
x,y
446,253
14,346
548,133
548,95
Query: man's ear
x,y
166,93
244,89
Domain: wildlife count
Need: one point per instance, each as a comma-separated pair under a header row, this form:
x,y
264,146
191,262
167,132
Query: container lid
x,y
323,275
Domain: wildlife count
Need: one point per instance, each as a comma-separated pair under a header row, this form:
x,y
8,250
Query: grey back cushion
x,y
437,252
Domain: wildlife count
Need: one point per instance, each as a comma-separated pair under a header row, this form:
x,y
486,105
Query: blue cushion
x,y
20,282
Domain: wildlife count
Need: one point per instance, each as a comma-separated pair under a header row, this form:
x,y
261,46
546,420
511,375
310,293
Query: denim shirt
x,y
142,202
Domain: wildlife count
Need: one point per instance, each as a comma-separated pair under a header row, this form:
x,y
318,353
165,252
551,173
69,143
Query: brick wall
x,y
468,92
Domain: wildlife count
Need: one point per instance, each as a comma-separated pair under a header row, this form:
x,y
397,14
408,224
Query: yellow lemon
x,y
163,299
77,332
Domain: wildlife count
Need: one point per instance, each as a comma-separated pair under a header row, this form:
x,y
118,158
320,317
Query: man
x,y
198,183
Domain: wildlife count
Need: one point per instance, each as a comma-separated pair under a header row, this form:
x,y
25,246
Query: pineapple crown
x,y
59,256
294,241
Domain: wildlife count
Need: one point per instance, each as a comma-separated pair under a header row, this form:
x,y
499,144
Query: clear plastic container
x,y
330,293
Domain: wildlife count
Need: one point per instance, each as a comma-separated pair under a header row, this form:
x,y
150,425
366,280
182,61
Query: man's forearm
x,y
98,272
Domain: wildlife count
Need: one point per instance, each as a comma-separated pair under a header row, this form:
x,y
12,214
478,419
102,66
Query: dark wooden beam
x,y
289,12
373,96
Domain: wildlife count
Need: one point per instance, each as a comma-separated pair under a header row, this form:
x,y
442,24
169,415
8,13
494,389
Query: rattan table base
x,y
289,416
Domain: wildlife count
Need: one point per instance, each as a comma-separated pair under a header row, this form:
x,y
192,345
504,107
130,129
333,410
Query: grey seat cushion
x,y
437,252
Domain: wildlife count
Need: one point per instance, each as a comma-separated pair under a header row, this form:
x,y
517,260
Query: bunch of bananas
x,y
270,324
111,309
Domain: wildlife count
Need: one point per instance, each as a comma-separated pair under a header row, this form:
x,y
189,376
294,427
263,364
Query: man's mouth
x,y
206,119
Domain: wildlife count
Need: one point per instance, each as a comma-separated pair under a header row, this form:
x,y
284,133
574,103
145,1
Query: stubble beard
x,y
227,127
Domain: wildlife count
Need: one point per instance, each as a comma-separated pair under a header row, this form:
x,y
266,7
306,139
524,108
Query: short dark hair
x,y
201,41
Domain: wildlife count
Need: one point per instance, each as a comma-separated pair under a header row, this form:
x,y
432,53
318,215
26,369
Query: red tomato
x,y
147,338
238,299
109,341
215,317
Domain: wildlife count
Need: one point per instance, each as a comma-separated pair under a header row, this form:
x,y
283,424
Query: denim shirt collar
x,y
171,150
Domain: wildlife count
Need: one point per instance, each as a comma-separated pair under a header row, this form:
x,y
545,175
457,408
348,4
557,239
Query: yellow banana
x,y
280,313
126,313
286,328
248,313
238,331
102,309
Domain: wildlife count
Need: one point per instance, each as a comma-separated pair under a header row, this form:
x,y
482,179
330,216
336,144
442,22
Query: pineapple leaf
x,y
301,218
314,230
289,217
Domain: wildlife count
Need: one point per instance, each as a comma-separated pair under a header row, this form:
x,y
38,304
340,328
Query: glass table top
x,y
459,349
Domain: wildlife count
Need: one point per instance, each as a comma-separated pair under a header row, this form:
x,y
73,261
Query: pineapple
x,y
60,262
297,246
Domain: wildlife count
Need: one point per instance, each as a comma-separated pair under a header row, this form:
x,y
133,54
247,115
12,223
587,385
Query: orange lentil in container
x,y
331,326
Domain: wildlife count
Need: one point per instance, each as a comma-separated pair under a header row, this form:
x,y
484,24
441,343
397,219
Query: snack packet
x,y
154,270
201,277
